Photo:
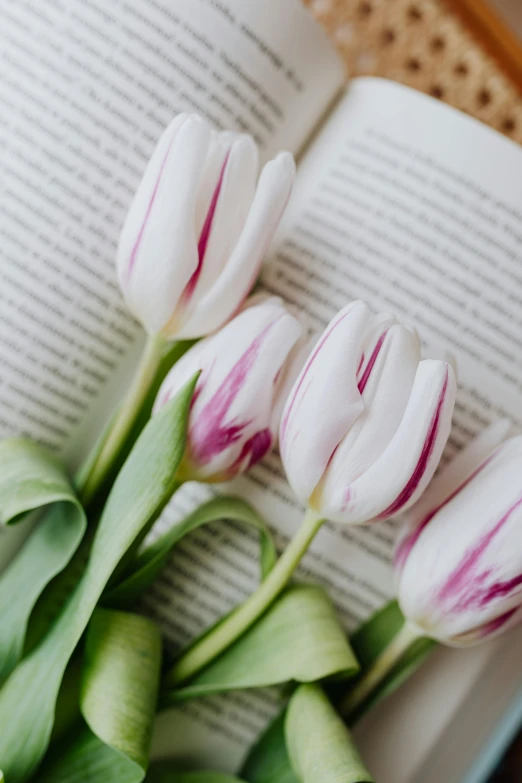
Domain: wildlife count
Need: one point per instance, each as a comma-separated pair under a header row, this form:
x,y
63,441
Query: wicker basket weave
x,y
422,44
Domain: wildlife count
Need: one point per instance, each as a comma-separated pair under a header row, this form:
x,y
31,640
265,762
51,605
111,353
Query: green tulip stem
x,y
125,419
374,676
213,643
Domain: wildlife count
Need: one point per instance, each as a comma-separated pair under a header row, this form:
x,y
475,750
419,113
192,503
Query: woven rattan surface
x,y
422,44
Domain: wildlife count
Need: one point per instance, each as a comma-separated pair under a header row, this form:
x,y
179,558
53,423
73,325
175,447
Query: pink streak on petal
x,y
134,252
500,589
258,445
165,397
497,623
361,362
347,496
406,494
253,451
209,435
309,363
466,586
365,377
489,628
205,235
255,272
199,387
407,544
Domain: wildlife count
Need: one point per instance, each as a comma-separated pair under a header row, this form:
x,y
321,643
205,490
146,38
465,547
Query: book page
x,y
87,88
416,208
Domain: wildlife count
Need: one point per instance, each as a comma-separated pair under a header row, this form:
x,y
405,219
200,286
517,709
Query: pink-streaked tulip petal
x,y
403,470
233,411
488,631
219,352
325,401
196,280
232,406
286,380
411,535
159,232
458,470
227,210
144,201
252,451
374,352
447,356
385,382
462,574
218,150
242,268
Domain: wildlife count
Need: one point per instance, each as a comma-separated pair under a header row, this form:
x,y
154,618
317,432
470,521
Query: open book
x,y
400,200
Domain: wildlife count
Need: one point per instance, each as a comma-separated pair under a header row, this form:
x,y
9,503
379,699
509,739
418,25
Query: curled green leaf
x,y
120,681
119,690
149,563
143,487
30,479
319,745
298,639
268,760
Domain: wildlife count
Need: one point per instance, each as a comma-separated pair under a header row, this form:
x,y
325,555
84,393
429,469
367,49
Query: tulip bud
x,y
246,371
364,427
459,568
198,228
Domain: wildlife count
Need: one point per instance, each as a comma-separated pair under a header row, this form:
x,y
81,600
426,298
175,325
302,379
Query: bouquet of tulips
x,y
362,421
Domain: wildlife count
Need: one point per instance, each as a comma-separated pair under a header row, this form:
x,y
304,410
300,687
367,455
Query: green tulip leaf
x,y
87,760
118,697
143,487
120,681
268,760
53,597
370,641
168,772
151,560
67,715
30,479
298,639
171,353
319,744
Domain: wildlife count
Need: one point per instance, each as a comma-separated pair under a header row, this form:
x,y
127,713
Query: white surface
x,y
439,721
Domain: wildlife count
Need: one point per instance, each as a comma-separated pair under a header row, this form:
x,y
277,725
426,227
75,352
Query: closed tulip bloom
x,y
246,369
459,570
190,250
198,228
366,422
361,434
459,564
